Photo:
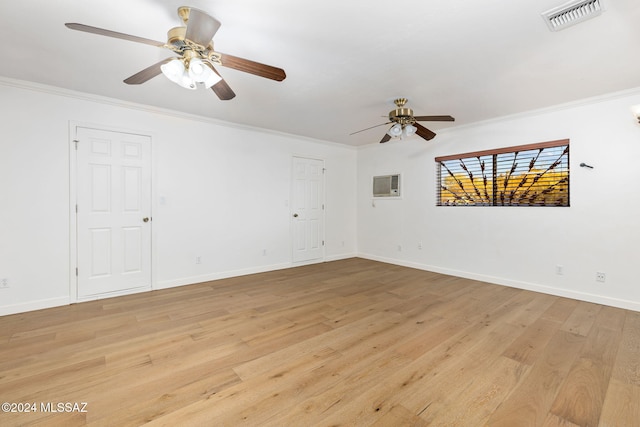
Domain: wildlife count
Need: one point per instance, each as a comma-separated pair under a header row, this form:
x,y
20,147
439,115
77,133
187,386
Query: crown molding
x,y
83,96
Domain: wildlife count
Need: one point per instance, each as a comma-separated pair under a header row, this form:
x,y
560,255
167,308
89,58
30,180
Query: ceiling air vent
x,y
572,13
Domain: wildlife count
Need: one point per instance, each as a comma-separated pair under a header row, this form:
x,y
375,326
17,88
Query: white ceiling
x,y
345,60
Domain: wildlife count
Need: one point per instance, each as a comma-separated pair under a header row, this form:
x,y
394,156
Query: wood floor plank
x,y
154,405
398,415
530,401
621,405
532,342
462,392
555,421
611,318
581,399
560,310
582,318
473,405
351,342
627,367
269,394
583,392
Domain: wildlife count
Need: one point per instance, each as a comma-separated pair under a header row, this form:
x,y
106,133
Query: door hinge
x,y
76,208
323,243
323,206
324,170
76,271
76,142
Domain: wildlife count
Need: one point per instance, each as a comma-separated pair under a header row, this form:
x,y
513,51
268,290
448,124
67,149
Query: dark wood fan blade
x,y
252,67
385,138
362,130
109,33
434,118
201,27
223,91
146,74
423,132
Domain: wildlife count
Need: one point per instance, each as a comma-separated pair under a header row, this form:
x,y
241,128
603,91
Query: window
x,y
527,175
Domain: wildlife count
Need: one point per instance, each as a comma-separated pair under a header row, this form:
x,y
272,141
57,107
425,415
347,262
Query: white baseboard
x,y
566,293
115,294
339,257
243,272
219,275
6,310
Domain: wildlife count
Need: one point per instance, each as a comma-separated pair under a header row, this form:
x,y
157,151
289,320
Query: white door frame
x,y
73,201
292,207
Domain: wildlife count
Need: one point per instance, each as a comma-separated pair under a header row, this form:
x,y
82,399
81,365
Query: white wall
x,y
197,161
519,246
224,189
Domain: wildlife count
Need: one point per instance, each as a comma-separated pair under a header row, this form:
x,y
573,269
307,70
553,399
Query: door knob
x,y
145,219
295,215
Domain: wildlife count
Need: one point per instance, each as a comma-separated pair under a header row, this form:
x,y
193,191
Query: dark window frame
x,y
525,175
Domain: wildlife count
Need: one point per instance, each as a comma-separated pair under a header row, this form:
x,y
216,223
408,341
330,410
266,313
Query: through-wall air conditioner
x,y
386,186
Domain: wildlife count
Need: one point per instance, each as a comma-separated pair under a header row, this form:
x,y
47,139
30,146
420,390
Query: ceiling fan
x,y
196,57
406,124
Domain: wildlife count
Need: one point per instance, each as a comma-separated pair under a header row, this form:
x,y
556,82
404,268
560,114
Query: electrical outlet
x,y
4,282
198,260
559,270
264,252
600,277
399,248
420,245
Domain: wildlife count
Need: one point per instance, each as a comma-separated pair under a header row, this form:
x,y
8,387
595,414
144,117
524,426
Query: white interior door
x,y
113,212
308,209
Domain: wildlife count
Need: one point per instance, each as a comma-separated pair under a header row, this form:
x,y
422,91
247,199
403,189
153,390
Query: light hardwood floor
x,y
351,342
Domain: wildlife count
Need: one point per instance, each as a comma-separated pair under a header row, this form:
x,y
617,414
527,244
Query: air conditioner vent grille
x,y
572,13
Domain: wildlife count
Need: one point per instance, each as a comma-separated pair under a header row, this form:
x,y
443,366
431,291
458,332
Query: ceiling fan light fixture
x,y
409,130
396,130
175,71
172,69
200,72
212,80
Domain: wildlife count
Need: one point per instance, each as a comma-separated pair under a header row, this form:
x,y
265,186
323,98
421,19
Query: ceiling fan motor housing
x,y
178,42
402,115
175,37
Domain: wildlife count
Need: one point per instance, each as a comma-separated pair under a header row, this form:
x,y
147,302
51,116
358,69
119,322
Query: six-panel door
x,y
113,212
